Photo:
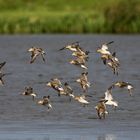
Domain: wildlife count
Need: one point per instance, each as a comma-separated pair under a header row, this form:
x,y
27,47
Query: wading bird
x,y
83,81
75,46
81,99
104,48
56,85
45,102
79,62
122,84
29,92
109,99
101,109
68,90
36,52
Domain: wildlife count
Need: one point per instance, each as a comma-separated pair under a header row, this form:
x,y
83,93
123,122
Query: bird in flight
x,y
36,52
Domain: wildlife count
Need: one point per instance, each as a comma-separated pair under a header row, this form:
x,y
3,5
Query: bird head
x,y
66,84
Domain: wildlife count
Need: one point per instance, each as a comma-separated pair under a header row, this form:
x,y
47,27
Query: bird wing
x,y
104,60
83,66
82,100
57,81
114,54
60,89
1,81
74,44
122,84
49,105
62,49
33,57
81,61
109,42
112,86
105,46
42,55
2,64
68,90
108,95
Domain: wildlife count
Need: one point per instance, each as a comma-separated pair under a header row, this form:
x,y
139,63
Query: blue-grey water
x,y
21,118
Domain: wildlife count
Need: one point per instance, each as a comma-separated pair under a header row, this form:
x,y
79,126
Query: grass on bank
x,y
50,22
74,16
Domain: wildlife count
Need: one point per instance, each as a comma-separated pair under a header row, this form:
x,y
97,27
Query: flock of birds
x,y
81,58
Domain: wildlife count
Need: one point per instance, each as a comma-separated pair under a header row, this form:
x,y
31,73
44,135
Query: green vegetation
x,y
69,16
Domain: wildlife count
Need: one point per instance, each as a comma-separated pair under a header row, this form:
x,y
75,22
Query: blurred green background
x,y
69,16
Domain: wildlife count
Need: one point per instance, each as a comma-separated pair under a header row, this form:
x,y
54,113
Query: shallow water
x,y
21,118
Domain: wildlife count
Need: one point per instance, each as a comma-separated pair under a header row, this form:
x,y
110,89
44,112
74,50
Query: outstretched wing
x,y
108,95
109,42
33,57
2,64
62,49
1,81
105,45
42,55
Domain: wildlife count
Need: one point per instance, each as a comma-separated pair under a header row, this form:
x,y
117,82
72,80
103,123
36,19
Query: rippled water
x,y
21,118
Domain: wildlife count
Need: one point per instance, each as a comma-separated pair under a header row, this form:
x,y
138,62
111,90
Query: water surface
x,y
21,118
